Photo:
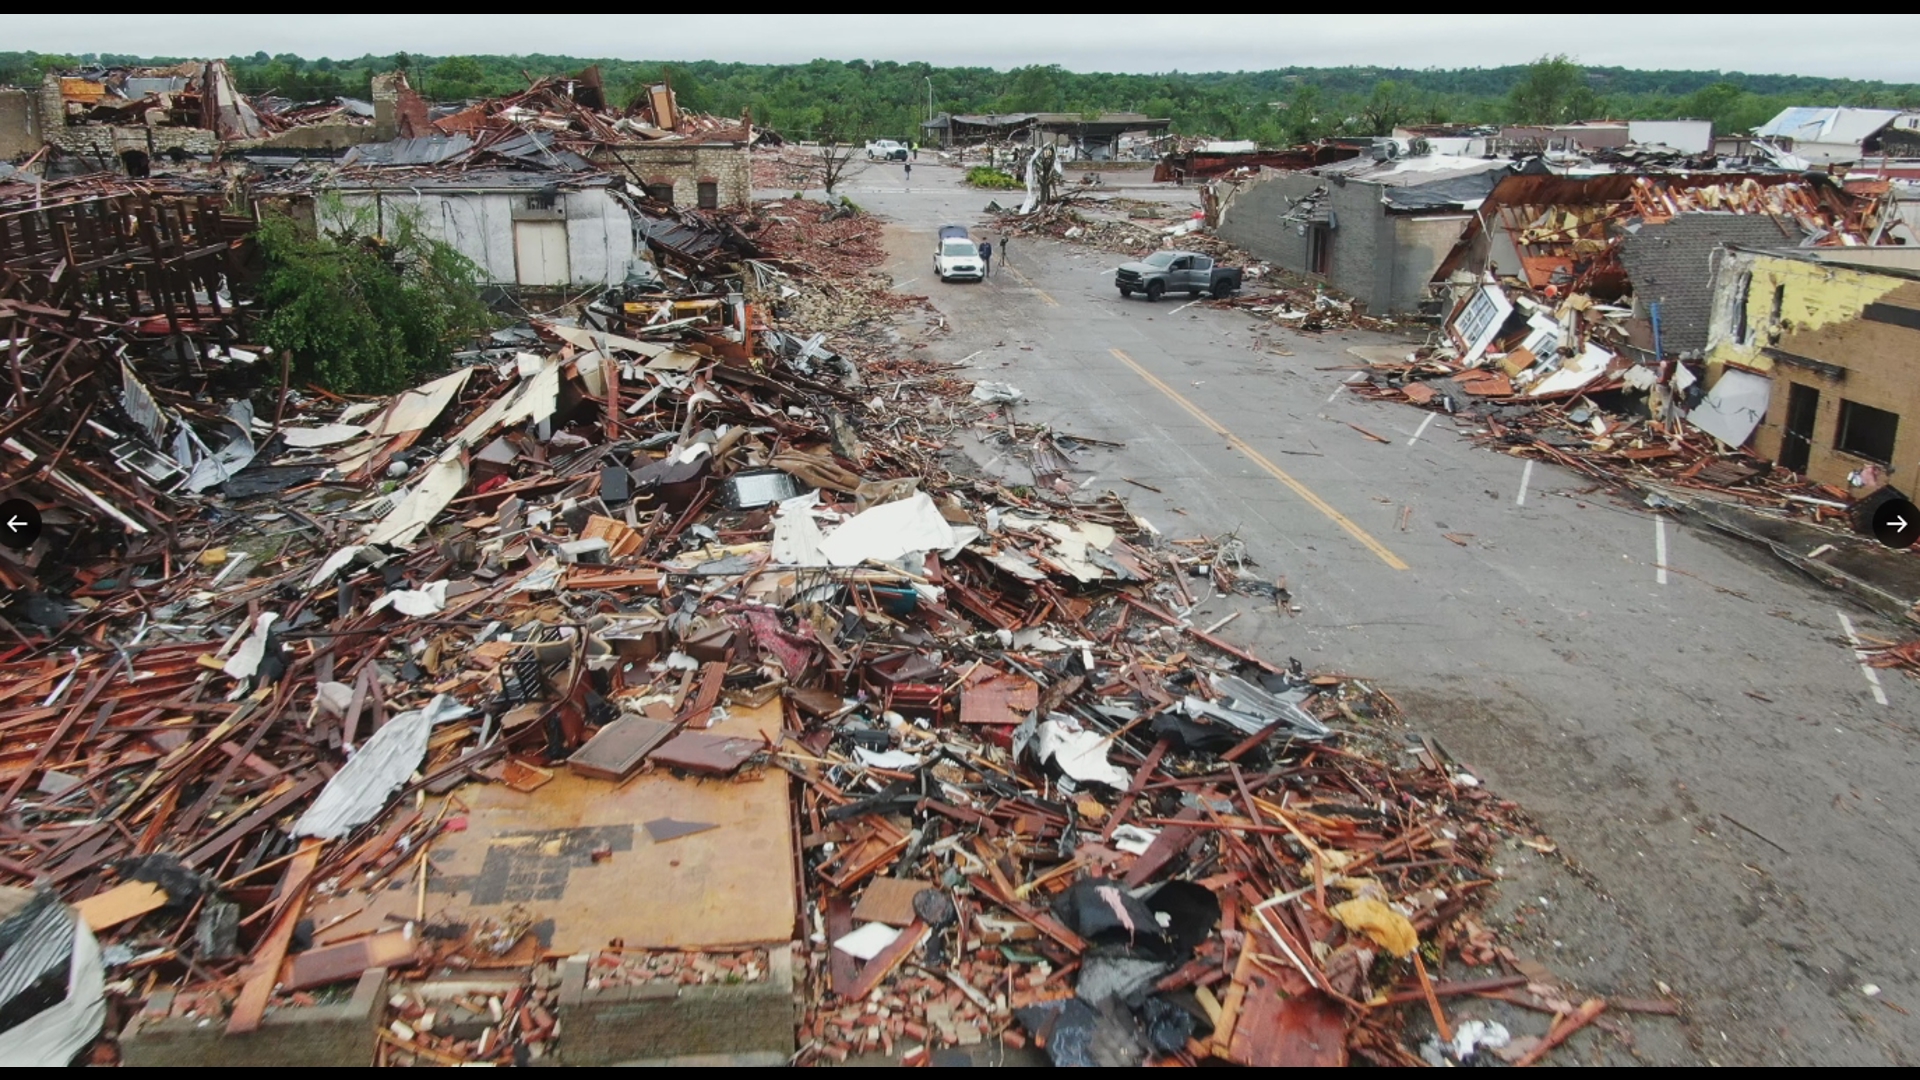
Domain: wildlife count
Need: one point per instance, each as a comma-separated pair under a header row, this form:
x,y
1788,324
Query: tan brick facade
x,y
685,167
1848,333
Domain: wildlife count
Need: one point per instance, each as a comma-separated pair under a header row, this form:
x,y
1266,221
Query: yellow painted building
x,y
1837,330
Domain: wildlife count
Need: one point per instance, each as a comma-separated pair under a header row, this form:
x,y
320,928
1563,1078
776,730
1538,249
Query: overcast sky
x,y
1840,45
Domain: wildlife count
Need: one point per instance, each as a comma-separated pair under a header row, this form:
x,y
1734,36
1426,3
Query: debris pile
x,y
577,110
279,655
1589,412
1561,362
1118,224
789,167
1904,657
1161,861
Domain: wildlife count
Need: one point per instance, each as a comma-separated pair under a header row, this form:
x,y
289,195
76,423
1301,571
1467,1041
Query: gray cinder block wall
x,y
1383,260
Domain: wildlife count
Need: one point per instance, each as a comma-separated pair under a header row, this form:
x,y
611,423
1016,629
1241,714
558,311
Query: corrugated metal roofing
x,y
424,150
1830,125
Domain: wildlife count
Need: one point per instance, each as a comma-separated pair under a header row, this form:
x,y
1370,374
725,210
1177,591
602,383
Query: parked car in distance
x,y
956,258
1177,271
886,150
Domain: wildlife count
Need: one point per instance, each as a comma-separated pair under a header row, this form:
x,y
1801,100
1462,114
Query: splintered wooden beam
x,y
264,971
882,965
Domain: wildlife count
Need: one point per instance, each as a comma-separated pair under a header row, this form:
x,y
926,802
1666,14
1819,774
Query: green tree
x,y
1388,108
1548,92
1306,118
1719,103
456,78
1034,89
360,313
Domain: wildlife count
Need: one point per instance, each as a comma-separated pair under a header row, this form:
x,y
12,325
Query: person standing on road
x,y
916,151
909,169
1003,250
986,257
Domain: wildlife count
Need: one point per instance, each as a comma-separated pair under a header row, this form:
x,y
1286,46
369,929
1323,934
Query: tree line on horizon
x,y
857,99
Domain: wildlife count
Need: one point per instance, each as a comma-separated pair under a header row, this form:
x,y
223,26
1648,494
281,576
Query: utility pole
x,y
929,99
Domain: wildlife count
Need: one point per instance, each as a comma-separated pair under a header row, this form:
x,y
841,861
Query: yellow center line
x,y
1267,466
1024,280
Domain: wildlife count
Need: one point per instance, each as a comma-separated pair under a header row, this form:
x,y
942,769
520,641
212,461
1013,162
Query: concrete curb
x,y
318,1035
1726,519
752,1023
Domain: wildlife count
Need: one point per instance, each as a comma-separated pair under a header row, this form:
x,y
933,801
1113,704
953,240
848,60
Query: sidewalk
x,y
1881,577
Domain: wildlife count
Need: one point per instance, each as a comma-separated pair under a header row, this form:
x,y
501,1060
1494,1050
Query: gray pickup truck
x,y
1177,271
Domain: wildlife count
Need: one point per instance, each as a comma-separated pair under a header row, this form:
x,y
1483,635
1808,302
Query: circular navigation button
x,y
1896,523
19,524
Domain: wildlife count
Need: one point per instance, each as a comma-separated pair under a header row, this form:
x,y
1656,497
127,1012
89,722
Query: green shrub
x,y
984,176
362,313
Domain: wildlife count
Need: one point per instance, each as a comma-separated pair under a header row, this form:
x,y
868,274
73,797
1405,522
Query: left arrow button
x,y
19,524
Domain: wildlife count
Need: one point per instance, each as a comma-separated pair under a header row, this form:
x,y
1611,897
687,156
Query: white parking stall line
x,y
1422,429
1873,677
1660,548
1344,383
1526,476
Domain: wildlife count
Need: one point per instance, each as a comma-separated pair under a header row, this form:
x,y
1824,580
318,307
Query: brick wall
x,y
1251,219
685,166
1820,338
1881,368
101,141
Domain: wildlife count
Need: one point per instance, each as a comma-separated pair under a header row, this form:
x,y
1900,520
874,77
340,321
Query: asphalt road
x,y
1733,797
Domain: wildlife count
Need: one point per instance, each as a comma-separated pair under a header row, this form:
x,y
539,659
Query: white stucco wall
x,y
1687,136
480,225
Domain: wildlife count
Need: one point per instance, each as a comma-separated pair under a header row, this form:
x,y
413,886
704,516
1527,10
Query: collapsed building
x,y
1208,160
1838,135
1371,226
678,158
1648,239
131,120
135,120
596,697
1638,328
1100,136
528,213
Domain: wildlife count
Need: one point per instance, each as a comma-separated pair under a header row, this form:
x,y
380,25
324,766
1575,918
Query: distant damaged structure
x,y
678,158
1373,226
128,119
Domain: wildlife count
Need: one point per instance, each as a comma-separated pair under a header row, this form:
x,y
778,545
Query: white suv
x,y
886,150
958,259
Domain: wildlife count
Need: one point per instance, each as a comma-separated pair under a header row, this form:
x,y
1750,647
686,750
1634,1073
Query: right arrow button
x,y
1896,523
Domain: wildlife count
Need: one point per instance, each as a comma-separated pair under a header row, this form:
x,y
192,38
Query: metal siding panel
x,y
541,251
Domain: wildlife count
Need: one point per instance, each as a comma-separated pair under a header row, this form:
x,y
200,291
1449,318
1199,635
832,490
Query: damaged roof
x,y
1412,171
1835,124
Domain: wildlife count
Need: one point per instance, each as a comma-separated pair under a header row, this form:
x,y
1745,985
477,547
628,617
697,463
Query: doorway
x,y
1796,445
540,252
1320,250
